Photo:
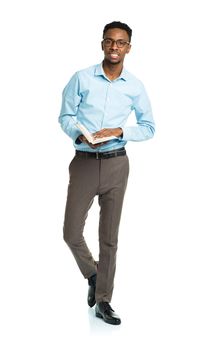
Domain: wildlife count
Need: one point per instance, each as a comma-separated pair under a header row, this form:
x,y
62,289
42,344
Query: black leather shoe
x,y
104,310
91,290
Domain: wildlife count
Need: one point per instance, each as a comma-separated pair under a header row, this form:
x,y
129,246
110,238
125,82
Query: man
x,y
101,97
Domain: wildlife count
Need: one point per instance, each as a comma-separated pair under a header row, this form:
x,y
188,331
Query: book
x,y
90,136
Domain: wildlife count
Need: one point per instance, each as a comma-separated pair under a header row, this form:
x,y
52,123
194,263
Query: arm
x,y
145,127
70,102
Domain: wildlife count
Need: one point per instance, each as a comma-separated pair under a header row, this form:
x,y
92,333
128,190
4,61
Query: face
x,y
114,54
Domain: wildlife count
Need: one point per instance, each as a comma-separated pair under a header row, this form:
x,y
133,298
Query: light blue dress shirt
x,y
97,102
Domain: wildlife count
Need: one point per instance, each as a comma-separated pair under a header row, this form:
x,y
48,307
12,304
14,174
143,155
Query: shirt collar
x,y
99,71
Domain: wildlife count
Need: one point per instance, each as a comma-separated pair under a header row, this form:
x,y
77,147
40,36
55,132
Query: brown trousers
x,y
106,178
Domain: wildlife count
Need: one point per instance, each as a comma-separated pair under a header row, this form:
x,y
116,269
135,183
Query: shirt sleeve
x,y
70,101
145,127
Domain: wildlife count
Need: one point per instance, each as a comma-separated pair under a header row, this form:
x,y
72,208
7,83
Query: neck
x,y
111,70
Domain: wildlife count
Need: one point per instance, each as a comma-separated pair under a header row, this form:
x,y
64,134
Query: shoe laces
x,y
106,306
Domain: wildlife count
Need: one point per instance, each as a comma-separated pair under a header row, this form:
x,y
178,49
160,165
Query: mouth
x,y
114,56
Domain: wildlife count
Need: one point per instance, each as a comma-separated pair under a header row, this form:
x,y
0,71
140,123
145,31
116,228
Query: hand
x,y
84,140
108,132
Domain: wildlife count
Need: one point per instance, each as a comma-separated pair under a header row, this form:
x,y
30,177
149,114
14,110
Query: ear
x,y
128,48
102,45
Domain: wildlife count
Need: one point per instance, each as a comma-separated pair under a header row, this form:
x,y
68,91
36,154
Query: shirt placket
x,y
106,104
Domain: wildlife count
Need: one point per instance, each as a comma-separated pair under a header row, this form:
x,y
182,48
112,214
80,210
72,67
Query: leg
x,y
81,192
115,174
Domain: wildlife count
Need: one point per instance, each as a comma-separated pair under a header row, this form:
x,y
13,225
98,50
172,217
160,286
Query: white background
x,y
159,286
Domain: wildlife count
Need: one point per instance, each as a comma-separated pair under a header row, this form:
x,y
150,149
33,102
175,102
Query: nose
x,y
114,45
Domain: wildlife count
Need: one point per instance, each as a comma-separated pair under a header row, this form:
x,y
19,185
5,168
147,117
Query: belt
x,y
102,155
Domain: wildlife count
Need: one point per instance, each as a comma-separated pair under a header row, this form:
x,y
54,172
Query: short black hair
x,y
120,25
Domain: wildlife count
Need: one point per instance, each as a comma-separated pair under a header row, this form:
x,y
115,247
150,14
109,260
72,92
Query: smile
x,y
114,55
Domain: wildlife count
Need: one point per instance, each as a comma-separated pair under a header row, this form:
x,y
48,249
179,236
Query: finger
x,y
83,138
97,145
100,133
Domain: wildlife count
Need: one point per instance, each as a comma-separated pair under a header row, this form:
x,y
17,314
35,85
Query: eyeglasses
x,y
120,43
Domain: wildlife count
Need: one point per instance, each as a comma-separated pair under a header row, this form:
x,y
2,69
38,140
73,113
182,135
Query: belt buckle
x,y
97,155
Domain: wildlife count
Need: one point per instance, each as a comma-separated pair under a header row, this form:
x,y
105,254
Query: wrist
x,y
120,133
78,140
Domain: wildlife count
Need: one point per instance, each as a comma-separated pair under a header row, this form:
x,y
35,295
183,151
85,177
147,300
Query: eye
x,y
107,41
121,43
